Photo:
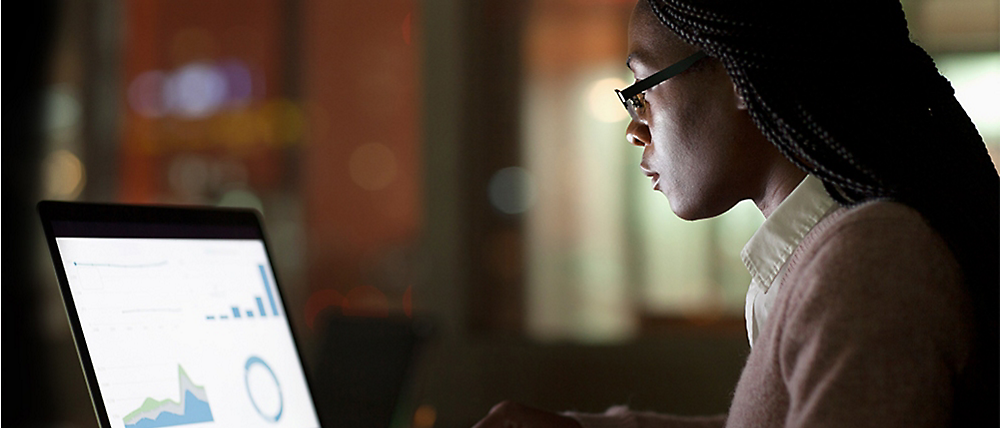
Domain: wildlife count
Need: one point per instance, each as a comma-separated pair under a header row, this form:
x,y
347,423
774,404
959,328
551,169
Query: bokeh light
x,y
372,166
241,198
366,301
145,94
407,28
188,176
197,90
228,172
320,301
239,82
193,91
62,110
286,120
236,128
424,416
512,190
603,103
65,175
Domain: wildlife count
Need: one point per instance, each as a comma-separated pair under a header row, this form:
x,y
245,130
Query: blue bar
x,y
236,312
249,313
260,306
267,287
210,317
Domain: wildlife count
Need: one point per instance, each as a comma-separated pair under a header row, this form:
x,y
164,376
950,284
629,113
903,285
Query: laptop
x,y
177,317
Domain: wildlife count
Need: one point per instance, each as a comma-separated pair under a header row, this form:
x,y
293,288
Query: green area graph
x,y
192,408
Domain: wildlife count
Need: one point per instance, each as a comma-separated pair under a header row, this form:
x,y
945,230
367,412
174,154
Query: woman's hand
x,y
509,414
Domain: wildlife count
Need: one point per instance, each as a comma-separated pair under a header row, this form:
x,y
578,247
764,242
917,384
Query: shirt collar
x,y
771,246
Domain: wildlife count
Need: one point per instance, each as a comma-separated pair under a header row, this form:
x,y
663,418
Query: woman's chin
x,y
696,209
687,215
682,208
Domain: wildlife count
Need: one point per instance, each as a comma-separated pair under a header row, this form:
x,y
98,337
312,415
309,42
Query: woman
x,y
874,299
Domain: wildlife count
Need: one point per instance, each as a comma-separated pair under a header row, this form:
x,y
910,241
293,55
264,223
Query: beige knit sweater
x,y
871,328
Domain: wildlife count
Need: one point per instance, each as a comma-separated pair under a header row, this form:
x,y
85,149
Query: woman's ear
x,y
740,103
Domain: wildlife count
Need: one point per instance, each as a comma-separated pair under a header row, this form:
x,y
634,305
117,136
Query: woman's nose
x,y
637,133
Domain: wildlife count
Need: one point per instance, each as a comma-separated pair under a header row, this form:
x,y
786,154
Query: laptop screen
x,y
182,325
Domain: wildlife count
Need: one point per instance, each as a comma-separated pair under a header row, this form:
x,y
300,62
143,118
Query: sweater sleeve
x,y
622,417
876,329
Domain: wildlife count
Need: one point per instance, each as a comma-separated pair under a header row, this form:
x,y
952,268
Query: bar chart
x,y
237,312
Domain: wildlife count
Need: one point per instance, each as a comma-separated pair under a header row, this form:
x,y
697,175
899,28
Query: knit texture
x,y
872,327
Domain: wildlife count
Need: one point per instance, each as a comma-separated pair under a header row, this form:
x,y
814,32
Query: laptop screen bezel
x,y
89,220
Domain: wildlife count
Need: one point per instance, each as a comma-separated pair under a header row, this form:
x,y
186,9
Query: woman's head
x,y
700,146
834,86
840,90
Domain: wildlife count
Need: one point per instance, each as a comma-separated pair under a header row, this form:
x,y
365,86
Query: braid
x,y
787,58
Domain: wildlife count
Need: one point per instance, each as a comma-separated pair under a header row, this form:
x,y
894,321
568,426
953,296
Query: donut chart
x,y
263,389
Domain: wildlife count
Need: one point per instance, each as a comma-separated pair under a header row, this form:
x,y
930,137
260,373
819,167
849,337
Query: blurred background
x,y
461,161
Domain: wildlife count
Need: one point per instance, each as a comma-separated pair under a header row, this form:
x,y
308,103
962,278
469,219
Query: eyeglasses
x,y
634,98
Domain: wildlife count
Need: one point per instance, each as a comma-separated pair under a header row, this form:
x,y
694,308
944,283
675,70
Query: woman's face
x,y
700,146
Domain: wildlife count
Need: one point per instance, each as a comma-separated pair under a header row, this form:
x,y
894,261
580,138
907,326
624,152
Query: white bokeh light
x,y
197,90
603,103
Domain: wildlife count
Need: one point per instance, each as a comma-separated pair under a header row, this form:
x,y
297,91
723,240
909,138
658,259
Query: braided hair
x,y
842,92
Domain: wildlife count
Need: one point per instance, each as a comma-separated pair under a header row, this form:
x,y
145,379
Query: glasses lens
x,y
635,106
632,105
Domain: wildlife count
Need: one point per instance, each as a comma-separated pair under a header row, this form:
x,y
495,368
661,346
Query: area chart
x,y
192,408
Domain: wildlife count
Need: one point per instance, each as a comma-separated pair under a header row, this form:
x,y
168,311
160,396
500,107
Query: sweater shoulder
x,y
882,230
873,310
879,263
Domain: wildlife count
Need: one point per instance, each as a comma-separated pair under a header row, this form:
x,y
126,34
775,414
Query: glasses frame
x,y
632,97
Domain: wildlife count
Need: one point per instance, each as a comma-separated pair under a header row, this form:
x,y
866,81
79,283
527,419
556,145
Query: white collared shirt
x,y
767,252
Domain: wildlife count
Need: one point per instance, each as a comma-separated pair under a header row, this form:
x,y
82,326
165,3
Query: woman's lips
x,y
654,176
